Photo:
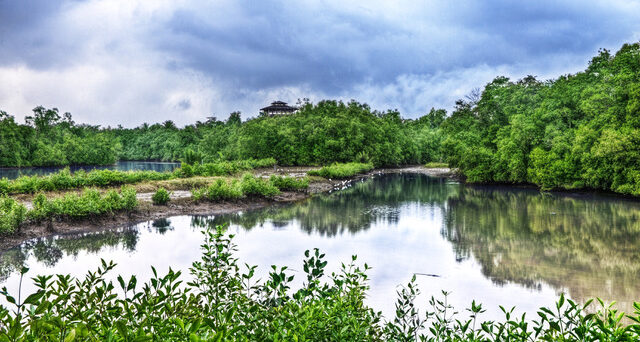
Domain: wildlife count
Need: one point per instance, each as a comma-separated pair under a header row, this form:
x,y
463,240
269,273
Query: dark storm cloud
x,y
272,44
29,33
203,57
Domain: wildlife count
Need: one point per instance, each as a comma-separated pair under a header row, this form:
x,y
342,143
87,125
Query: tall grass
x,y
339,170
89,203
222,168
65,180
223,301
436,165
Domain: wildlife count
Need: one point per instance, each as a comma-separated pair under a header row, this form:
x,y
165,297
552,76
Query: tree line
x,y
50,139
577,131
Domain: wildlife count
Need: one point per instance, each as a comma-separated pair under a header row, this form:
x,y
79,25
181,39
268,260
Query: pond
x,y
13,173
497,245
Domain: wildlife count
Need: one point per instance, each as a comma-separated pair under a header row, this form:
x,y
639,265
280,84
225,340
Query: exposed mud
x,y
181,204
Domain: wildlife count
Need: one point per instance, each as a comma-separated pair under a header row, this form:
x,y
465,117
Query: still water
x,y
499,246
13,173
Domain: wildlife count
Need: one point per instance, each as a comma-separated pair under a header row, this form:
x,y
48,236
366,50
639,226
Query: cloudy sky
x,y
113,62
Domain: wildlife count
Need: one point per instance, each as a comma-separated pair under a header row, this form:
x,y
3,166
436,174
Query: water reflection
x,y
587,245
356,209
50,250
498,245
13,173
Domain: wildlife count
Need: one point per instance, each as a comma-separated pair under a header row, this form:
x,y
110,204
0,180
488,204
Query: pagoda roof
x,y
280,106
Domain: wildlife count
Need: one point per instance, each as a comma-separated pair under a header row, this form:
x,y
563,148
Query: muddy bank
x,y
181,204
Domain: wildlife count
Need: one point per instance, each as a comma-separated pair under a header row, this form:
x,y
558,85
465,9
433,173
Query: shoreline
x,y
183,205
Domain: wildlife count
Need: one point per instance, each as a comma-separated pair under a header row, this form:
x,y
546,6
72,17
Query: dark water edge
x,y
497,245
13,173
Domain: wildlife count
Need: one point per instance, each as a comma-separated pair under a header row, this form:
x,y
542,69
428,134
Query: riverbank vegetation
x,y
65,180
577,131
93,203
70,206
248,185
341,170
225,302
49,139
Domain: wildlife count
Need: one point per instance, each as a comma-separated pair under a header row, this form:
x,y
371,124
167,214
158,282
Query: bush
x,y
12,215
223,303
338,170
252,185
161,197
4,186
89,203
248,185
289,183
223,190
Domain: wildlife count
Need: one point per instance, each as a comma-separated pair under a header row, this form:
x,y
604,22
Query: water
x,y
499,246
13,173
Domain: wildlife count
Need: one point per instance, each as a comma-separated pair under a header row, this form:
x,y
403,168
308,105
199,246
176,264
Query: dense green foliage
x,y
161,197
326,132
580,130
223,302
338,170
64,180
48,139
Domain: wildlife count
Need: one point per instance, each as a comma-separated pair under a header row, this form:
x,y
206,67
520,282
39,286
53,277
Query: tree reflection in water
x,y
49,250
587,245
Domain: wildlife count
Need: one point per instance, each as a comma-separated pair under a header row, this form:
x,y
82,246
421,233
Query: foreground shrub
x,y
12,215
161,197
223,302
341,170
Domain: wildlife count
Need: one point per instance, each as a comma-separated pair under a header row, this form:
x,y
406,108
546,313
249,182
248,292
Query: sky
x,y
125,62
